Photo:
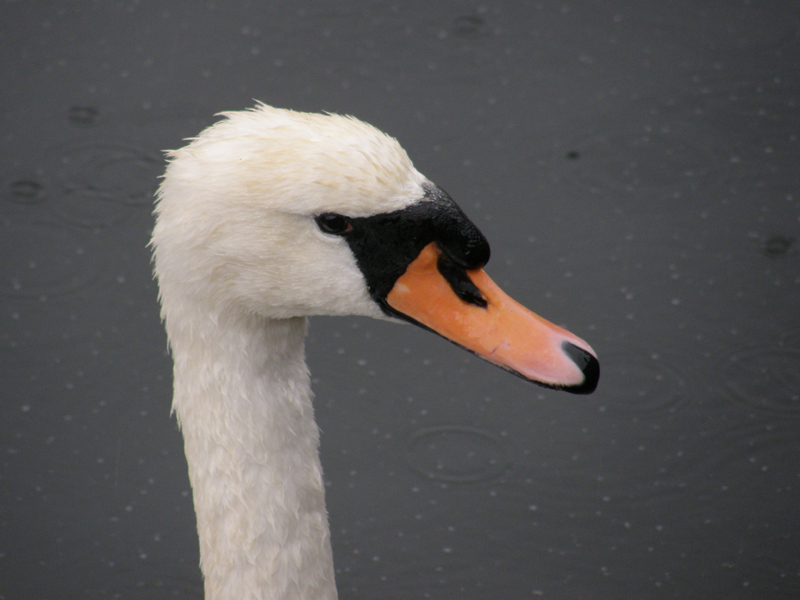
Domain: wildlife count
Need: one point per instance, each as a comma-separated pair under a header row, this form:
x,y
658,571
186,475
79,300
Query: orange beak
x,y
503,332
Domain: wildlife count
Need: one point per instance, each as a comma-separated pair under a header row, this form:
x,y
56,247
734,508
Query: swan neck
x,y
243,401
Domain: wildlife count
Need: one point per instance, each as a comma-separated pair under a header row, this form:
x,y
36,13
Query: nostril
x,y
587,363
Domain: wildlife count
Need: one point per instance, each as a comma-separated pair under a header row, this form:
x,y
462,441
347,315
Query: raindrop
x,y
83,116
469,26
26,191
777,245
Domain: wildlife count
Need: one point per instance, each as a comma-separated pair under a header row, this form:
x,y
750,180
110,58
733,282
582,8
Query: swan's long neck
x,y
243,400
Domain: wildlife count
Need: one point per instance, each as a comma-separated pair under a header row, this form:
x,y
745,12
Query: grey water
x,y
636,168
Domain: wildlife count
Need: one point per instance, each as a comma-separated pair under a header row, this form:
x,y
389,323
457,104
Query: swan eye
x,y
333,223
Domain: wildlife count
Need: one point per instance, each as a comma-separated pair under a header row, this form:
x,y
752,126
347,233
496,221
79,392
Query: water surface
x,y
635,168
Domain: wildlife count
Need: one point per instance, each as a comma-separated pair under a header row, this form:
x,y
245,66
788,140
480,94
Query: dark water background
x,y
636,167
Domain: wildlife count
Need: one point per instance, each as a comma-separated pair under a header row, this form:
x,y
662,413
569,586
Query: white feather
x,y
240,264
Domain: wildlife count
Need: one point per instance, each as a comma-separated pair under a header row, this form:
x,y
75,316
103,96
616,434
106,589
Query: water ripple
x,y
710,465
765,378
89,208
102,181
646,382
458,454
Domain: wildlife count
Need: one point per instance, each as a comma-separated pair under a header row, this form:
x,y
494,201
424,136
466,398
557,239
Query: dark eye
x,y
333,223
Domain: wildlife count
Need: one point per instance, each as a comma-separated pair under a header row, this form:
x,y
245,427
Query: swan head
x,y
279,214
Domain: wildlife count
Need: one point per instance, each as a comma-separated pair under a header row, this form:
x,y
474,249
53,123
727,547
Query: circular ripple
x,y
765,378
41,259
89,208
646,382
458,454
117,172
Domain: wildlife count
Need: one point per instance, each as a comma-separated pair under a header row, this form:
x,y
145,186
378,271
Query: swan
x,y
270,216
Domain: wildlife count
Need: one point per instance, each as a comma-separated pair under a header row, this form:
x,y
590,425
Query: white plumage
x,y
241,262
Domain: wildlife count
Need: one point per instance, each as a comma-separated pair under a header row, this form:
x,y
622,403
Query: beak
x,y
503,331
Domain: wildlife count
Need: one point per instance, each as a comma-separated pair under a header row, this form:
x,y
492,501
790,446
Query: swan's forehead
x,y
309,163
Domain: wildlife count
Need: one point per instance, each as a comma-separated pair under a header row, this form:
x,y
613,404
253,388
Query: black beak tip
x,y
588,364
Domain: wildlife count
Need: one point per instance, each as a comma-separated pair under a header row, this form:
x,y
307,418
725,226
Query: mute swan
x,y
265,218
